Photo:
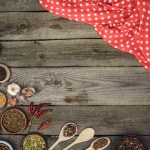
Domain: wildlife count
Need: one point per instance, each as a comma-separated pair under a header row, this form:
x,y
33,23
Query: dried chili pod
x,y
47,122
31,108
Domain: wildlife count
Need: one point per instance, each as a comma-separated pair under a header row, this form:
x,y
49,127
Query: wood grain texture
x,y
20,5
106,120
16,140
86,86
77,52
41,25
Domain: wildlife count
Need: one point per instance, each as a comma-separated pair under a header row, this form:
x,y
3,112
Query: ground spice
x,y
3,73
2,100
130,143
69,130
100,143
13,121
4,147
33,142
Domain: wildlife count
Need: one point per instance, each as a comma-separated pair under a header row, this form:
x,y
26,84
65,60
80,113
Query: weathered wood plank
x,y
86,85
15,140
41,25
106,120
78,52
20,5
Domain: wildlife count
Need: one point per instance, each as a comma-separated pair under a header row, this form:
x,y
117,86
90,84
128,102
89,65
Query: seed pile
x,y
4,147
100,143
13,120
130,143
70,130
34,142
2,99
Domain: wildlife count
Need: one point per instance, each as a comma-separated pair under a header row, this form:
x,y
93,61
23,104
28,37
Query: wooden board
x,y
20,5
73,52
51,139
106,120
41,25
86,86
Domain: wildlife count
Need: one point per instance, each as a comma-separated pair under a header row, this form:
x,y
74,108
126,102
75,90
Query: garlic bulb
x,y
13,89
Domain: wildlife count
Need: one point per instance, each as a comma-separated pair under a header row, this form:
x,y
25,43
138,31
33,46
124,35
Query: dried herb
x,y
3,73
13,121
130,143
4,147
33,142
37,112
100,143
70,130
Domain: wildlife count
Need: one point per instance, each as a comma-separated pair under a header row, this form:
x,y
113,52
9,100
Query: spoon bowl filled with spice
x,y
99,144
5,146
68,131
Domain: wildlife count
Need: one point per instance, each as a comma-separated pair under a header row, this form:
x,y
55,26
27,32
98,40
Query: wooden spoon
x,y
84,136
62,137
91,147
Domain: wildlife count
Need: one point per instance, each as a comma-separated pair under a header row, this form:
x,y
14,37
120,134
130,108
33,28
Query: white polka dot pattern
x,y
124,24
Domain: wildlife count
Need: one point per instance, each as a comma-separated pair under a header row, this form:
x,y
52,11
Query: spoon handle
x,y
69,146
52,147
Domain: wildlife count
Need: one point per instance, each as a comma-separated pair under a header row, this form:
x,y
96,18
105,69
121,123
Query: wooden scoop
x,y
91,147
84,136
62,137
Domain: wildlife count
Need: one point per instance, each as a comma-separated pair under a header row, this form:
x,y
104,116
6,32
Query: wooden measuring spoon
x,y
92,144
84,136
62,137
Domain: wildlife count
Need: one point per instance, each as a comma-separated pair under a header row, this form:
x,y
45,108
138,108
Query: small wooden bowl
x,y
21,112
134,136
33,135
7,73
4,100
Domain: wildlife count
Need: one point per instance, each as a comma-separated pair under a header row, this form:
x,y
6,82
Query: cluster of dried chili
x,y
36,112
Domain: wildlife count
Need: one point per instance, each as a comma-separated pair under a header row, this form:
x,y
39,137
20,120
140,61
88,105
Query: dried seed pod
x,y
12,101
28,91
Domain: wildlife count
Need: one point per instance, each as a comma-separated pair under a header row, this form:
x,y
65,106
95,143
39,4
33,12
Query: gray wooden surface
x,y
82,77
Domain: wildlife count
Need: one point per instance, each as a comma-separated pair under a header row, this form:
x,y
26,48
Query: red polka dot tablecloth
x,y
124,24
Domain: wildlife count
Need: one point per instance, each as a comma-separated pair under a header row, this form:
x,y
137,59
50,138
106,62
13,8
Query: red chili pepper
x,y
42,112
47,122
31,108
39,107
45,127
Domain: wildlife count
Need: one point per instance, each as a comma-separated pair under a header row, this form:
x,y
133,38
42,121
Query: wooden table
x,y
85,80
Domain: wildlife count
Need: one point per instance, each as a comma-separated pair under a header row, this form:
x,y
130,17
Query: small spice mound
x,y
69,130
13,121
3,73
100,143
4,147
33,142
130,143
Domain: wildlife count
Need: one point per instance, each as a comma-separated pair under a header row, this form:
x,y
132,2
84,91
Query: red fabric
x,y
124,24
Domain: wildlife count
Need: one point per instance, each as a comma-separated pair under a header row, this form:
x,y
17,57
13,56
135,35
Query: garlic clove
x,y
12,101
28,91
